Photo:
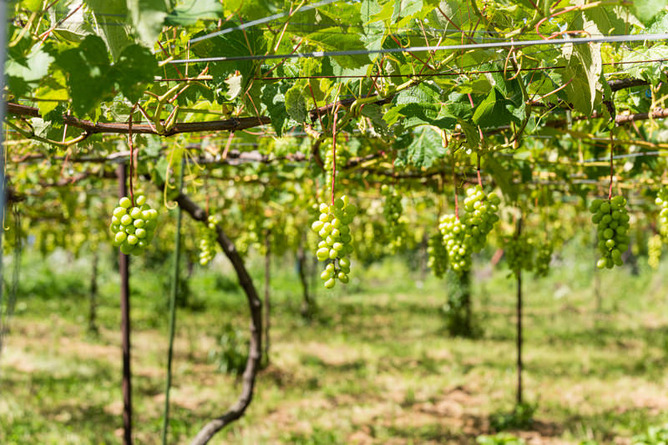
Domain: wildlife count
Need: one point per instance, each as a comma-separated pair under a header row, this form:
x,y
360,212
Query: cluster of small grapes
x,y
392,211
133,227
438,255
207,241
654,247
612,219
543,259
519,253
335,245
480,215
457,243
662,200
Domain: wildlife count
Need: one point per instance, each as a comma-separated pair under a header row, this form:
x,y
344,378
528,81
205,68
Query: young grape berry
x,y
133,227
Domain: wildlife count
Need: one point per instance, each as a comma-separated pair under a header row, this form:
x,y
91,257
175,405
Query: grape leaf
x,y
646,10
190,11
422,148
295,104
135,67
88,71
580,75
148,18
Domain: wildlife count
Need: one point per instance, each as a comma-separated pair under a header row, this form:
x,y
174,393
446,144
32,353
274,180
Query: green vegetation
x,y
374,365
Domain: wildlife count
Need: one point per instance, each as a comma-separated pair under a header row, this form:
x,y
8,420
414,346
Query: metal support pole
x,y
124,269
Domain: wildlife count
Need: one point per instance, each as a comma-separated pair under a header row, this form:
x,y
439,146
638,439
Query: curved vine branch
x,y
255,347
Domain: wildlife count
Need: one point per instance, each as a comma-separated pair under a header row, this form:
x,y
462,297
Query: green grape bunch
x,y
662,200
392,211
654,246
336,241
457,243
438,255
207,241
612,221
543,259
519,252
480,215
133,227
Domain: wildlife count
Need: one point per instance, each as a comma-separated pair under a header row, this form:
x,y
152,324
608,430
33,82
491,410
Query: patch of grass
x,y
373,366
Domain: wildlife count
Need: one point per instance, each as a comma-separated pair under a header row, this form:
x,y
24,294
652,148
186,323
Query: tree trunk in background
x,y
308,305
458,311
267,291
519,337
92,310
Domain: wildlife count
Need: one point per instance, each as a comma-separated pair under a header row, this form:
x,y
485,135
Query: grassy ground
x,y
374,367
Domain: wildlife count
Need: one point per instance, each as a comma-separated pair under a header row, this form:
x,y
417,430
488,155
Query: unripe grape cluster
x,y
207,242
662,200
543,259
133,227
519,254
457,243
336,241
654,247
612,221
392,211
438,255
480,215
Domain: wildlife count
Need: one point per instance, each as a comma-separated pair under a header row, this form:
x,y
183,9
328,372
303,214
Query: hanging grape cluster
x,y
654,247
333,228
207,241
519,252
438,255
457,243
612,221
392,211
464,237
543,259
662,200
133,227
480,215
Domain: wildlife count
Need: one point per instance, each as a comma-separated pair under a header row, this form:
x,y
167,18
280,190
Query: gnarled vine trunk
x,y
255,347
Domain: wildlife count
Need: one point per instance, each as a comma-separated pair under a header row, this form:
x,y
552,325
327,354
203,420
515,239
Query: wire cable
x,y
259,21
414,49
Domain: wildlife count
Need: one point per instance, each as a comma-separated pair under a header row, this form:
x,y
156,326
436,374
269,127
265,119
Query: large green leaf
x,y
136,67
148,18
581,75
494,111
295,104
88,71
646,10
273,98
190,11
422,148
111,17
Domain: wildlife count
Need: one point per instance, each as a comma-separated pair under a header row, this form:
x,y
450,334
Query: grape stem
x,y
132,158
478,171
612,168
336,110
